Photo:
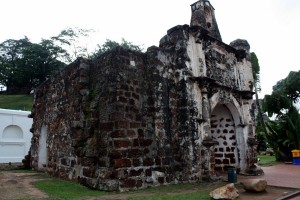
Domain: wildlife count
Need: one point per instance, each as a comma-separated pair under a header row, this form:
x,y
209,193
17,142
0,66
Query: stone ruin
x,y
180,112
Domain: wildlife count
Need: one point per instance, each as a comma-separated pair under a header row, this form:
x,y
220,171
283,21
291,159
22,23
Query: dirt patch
x,y
18,185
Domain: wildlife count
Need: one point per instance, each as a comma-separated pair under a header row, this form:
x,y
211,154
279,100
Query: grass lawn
x,y
61,189
267,160
16,102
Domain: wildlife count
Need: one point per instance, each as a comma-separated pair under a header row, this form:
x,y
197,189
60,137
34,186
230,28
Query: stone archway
x,y
223,131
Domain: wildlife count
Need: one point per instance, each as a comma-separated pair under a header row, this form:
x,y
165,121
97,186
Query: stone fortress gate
x,y
179,112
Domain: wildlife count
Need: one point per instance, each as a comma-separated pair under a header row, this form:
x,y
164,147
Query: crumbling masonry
x,y
178,112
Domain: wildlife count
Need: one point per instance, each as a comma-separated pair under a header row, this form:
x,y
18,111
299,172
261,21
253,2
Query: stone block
x,y
135,172
254,185
128,183
226,192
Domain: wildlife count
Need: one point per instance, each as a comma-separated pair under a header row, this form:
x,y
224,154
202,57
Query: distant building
x,y
179,112
15,137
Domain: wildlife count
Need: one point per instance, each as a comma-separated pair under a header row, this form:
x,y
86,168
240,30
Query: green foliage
x,y
255,68
266,160
283,133
25,65
109,44
276,103
16,102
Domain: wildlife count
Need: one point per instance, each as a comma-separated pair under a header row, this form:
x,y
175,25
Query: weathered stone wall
x,y
59,106
129,120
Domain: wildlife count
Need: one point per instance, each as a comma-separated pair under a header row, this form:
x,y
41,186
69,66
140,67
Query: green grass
x,y
63,190
16,102
57,189
266,160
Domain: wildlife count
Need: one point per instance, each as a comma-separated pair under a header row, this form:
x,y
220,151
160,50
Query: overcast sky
x,y
270,26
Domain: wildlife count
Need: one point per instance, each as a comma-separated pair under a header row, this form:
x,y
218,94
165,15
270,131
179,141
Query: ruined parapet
x,y
203,15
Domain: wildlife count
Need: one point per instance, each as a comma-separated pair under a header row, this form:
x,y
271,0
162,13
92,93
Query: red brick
x,y
118,134
135,172
225,161
135,153
136,162
148,162
88,172
148,172
128,183
135,125
117,154
122,143
161,180
127,94
145,142
116,116
119,163
108,126
122,99
129,116
121,124
136,143
131,133
139,183
134,95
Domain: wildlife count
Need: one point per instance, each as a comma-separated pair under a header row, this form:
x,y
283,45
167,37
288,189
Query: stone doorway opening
x,y
42,151
223,131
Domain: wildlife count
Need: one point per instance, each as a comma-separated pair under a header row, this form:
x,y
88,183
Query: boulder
x,y
254,185
226,192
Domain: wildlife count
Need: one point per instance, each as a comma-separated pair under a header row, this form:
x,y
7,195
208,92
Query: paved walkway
x,y
284,175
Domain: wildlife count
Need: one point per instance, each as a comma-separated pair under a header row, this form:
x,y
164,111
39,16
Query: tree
x,y
71,40
40,61
25,65
283,133
260,124
11,53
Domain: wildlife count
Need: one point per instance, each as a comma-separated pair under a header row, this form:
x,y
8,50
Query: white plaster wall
x,y
246,76
197,57
15,137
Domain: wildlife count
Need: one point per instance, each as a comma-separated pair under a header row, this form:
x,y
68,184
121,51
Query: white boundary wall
x,y
15,137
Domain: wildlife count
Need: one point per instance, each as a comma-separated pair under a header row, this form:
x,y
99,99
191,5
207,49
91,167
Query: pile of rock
x,y
229,191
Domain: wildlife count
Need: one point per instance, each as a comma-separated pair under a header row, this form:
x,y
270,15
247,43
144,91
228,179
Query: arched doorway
x,y
223,131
